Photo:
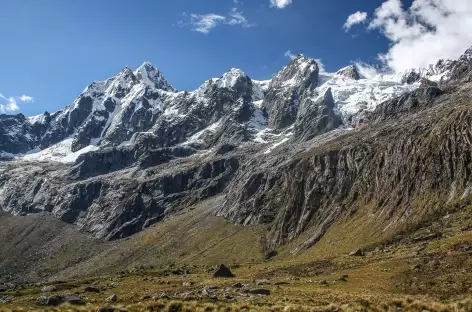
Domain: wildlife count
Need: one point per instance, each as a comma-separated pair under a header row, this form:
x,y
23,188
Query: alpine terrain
x,y
318,191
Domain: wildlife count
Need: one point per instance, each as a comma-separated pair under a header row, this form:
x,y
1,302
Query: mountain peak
x,y
231,78
126,71
152,76
350,71
301,71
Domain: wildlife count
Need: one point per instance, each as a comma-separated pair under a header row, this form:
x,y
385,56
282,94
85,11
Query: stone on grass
x,y
49,288
259,291
356,253
223,271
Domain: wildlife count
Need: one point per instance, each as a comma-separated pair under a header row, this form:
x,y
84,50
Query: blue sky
x,y
52,49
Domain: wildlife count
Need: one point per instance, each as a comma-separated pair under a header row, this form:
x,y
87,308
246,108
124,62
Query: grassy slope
x,y
410,266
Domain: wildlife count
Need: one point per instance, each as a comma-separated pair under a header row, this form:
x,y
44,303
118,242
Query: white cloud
x,y
26,98
204,23
424,33
10,104
280,4
368,70
354,19
236,17
289,54
321,65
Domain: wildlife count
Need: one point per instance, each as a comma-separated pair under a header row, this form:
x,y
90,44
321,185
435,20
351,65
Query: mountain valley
x,y
321,191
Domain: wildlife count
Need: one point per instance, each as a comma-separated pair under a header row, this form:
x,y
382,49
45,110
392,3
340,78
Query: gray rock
x,y
50,300
316,117
6,299
259,291
288,89
350,72
49,288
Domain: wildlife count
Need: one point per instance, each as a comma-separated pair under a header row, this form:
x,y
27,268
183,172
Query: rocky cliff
x,y
297,153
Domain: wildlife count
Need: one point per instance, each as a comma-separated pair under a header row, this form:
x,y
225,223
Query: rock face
x,y
280,152
118,204
446,70
316,117
351,72
288,89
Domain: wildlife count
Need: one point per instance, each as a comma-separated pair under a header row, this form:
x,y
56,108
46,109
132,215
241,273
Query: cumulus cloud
x,y
354,19
280,4
204,23
424,33
10,104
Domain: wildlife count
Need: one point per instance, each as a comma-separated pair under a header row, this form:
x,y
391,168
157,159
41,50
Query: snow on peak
x,y
300,70
231,78
151,76
350,71
259,88
351,95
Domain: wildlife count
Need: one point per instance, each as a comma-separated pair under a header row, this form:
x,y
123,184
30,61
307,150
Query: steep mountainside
x,y
297,154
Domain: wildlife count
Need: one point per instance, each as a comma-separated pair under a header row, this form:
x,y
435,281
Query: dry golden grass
x,y
426,275
192,306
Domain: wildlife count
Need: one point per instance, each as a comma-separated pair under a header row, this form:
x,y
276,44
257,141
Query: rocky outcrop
x,y
411,77
350,71
288,89
409,103
400,167
316,117
16,134
270,149
118,204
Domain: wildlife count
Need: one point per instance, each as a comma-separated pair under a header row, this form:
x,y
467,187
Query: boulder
x,y
49,288
7,299
74,300
91,289
356,253
223,271
259,291
50,300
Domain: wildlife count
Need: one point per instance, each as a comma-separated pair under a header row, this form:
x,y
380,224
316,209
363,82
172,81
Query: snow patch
x,y
196,138
60,152
269,150
351,96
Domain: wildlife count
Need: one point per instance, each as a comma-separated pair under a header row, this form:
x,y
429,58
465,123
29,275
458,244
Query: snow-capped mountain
x,y
232,108
297,152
